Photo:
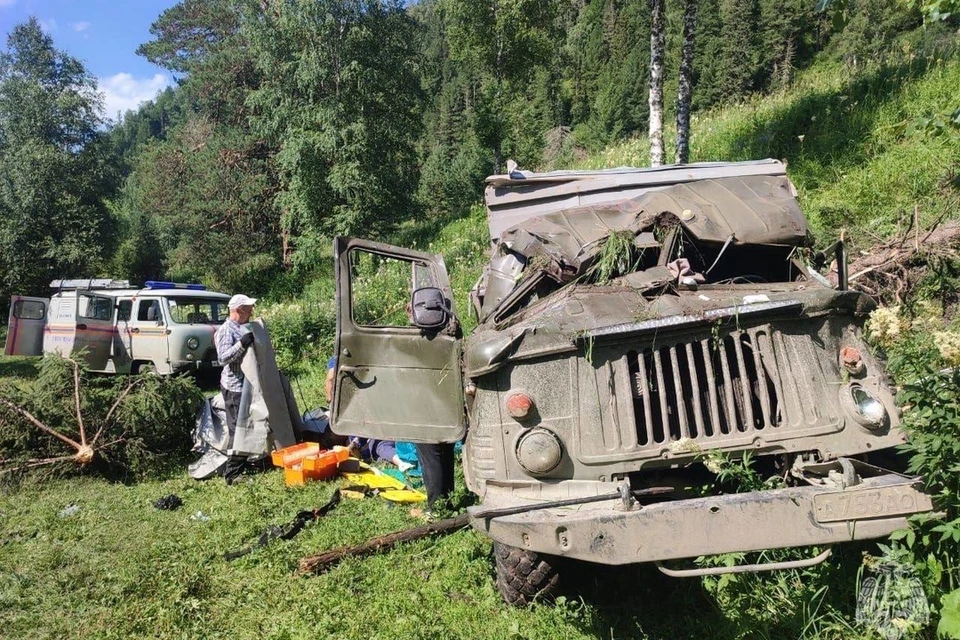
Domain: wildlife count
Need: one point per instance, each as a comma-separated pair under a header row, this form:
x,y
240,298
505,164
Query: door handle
x,y
81,326
134,330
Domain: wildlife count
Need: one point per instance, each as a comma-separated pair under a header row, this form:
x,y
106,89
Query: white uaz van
x,y
165,327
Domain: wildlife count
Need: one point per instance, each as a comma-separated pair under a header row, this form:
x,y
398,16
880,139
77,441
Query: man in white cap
x,y
233,340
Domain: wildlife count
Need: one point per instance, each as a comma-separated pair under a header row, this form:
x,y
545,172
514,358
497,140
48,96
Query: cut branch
x,y
106,421
76,397
39,425
328,559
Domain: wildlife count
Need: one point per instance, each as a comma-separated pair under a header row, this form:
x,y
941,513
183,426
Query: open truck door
x,y
94,329
25,324
398,374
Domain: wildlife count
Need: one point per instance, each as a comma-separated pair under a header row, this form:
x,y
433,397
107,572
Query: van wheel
x,y
524,576
143,367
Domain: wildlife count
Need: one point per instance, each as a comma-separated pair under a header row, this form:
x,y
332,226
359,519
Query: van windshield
x,y
197,310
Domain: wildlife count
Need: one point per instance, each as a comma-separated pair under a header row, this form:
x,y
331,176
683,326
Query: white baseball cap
x,y
241,300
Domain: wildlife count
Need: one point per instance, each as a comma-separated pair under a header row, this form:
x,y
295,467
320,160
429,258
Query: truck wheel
x,y
523,576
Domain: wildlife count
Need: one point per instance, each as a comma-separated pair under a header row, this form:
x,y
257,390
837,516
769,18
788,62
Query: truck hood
x,y
558,323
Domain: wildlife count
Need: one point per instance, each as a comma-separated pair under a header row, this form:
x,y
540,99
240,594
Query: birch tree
x,y
657,39
685,90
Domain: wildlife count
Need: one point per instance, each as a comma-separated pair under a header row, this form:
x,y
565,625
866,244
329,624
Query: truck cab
x,y
633,324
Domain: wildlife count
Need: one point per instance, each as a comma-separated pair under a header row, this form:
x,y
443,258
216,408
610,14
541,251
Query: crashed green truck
x,y
634,325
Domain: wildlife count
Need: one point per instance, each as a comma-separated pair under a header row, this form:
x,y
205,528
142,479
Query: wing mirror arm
x,y
839,251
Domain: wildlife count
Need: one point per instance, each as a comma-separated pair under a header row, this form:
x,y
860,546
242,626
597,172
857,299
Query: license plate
x,y
863,504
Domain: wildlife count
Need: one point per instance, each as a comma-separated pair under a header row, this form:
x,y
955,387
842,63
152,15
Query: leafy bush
x,y
924,356
301,330
122,424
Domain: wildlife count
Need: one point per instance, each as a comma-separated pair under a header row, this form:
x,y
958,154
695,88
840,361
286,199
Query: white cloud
x,y
122,92
77,26
48,26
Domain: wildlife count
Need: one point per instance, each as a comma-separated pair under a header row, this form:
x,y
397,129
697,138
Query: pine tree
x,y
740,20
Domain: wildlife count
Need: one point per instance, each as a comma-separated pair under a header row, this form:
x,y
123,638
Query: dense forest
x,y
293,121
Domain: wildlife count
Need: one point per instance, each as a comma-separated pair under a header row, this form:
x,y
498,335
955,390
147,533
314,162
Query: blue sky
x,y
104,34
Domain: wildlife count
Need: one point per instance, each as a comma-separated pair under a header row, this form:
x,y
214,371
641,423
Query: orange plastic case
x,y
306,461
324,464
293,455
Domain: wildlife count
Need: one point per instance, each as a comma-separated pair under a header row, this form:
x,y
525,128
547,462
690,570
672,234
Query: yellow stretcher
x,y
370,480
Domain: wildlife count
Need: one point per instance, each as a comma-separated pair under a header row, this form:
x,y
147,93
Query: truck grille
x,y
747,382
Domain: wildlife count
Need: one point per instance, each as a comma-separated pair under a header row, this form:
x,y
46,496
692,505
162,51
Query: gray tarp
x,y
268,412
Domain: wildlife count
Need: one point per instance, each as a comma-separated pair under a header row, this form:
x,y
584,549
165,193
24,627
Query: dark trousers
x,y
231,399
436,462
235,464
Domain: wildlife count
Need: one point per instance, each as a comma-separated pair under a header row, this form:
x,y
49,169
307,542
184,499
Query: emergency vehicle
x,y
164,327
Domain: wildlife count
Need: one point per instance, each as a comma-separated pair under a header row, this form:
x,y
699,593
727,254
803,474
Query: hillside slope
x,y
856,142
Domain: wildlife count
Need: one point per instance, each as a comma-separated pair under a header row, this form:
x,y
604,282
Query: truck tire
x,y
524,576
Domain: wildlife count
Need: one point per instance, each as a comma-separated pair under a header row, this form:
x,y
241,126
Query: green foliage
x,y
136,429
949,626
940,124
54,173
154,120
301,330
206,192
923,357
618,256
340,100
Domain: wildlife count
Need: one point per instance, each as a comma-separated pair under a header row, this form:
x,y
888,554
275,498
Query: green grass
x,y
18,367
119,568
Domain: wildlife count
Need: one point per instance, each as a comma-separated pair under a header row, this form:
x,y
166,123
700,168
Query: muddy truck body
x,y
637,328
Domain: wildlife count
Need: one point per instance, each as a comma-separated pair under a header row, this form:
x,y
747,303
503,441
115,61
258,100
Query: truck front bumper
x,y
607,533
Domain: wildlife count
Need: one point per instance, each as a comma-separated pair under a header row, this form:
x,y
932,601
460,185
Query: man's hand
x,y
247,339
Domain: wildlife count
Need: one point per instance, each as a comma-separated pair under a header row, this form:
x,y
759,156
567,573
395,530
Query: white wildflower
x,y
714,465
948,344
684,445
885,326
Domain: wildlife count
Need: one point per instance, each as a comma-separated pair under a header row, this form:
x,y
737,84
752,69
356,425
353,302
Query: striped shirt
x,y
230,352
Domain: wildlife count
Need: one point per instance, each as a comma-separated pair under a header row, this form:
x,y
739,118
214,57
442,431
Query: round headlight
x,y
539,451
865,407
193,342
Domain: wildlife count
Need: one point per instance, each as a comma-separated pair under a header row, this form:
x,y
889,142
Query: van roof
x,y
125,293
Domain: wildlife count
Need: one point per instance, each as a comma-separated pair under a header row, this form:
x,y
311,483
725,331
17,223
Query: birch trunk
x,y
656,82
685,90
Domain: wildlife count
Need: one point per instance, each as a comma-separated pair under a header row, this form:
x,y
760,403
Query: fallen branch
x,y
106,421
891,268
76,397
328,559
39,425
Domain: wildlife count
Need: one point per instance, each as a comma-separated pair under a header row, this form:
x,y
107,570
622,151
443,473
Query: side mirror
x,y
429,308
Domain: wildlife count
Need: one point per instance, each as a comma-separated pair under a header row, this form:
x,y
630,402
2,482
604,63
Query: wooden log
x,y
328,559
